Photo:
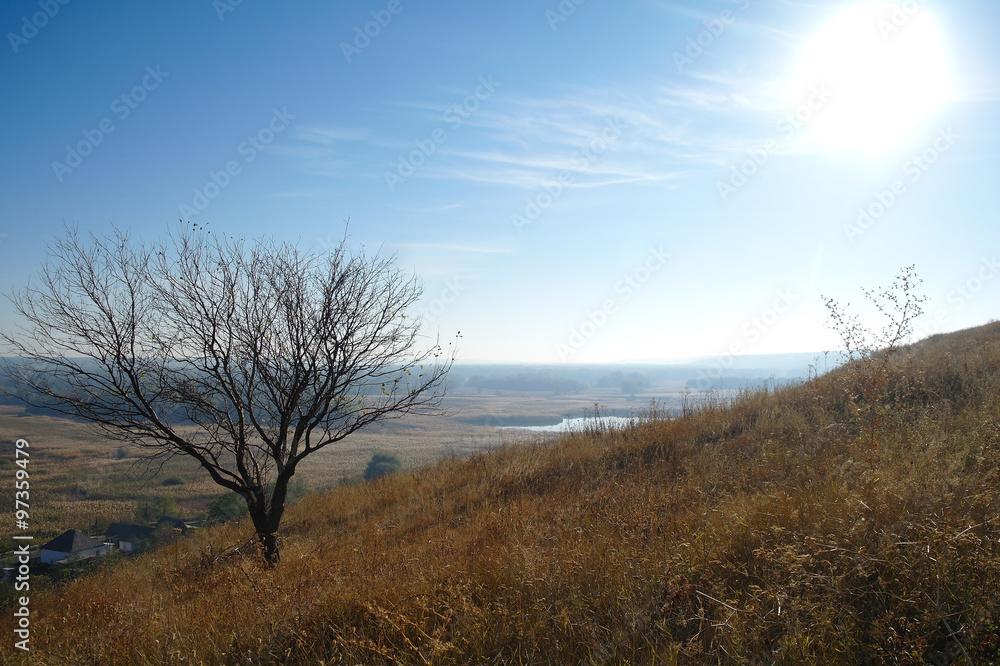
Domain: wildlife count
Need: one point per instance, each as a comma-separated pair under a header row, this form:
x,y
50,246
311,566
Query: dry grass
x,y
80,481
767,531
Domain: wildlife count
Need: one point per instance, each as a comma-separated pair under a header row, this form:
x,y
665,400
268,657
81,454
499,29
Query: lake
x,y
580,423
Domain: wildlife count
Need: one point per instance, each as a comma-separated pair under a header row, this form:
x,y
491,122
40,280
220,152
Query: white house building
x,y
72,545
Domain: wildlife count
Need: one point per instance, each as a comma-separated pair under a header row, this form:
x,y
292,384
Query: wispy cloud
x,y
670,129
327,134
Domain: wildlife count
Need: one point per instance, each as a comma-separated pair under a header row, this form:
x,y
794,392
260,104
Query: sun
x,y
868,79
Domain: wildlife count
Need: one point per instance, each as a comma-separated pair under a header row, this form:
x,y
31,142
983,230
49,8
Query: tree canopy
x,y
247,357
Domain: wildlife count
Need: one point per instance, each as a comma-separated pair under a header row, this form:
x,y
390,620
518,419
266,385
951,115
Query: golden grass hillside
x,y
765,531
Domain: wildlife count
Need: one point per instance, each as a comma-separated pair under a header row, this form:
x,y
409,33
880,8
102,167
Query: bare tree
x,y
247,359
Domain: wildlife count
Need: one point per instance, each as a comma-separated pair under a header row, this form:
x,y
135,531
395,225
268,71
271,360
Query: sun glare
x,y
868,79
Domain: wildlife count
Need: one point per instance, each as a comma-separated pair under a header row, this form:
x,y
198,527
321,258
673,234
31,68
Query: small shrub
x,y
382,464
870,353
173,481
226,507
151,508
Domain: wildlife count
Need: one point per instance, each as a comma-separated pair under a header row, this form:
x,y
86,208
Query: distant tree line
x,y
540,382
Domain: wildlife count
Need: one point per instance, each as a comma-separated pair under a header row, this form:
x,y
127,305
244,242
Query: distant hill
x,y
701,373
783,365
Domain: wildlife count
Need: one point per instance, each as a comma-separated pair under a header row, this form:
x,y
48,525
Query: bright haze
x,y
579,181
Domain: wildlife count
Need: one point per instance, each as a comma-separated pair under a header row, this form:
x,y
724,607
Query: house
x,y
174,522
72,545
128,537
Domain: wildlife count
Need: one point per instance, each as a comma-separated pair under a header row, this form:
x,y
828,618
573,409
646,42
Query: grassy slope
x,y
79,481
761,532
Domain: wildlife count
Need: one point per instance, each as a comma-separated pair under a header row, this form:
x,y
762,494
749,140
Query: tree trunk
x,y
265,525
266,521
269,546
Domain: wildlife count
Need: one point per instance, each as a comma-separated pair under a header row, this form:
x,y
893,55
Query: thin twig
x,y
707,596
972,527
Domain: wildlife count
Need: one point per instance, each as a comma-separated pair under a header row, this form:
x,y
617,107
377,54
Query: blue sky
x,y
582,181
